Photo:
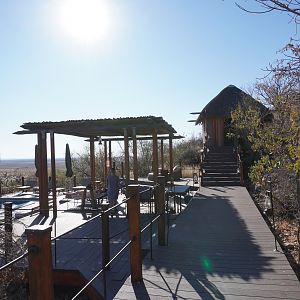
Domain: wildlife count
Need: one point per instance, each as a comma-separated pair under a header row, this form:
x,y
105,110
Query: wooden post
x,y
53,173
155,165
109,154
22,181
0,188
105,239
40,273
171,157
135,160
8,230
122,169
126,153
162,154
92,161
43,173
105,162
161,210
135,233
74,180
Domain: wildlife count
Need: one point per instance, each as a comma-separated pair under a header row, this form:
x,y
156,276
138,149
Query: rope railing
x,y
114,258
25,254
44,234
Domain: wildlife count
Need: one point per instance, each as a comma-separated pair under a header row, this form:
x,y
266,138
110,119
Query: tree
x,y
291,7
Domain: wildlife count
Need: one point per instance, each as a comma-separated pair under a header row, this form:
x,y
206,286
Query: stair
x,y
220,168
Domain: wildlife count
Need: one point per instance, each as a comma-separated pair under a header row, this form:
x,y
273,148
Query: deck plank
x,y
219,248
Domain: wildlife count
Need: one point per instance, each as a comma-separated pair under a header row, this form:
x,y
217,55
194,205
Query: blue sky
x,y
158,57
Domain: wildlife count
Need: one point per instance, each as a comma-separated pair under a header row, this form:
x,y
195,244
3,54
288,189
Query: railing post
x,y
135,233
8,230
40,273
105,239
161,210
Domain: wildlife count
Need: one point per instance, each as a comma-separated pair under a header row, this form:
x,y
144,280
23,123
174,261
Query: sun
x,y
87,21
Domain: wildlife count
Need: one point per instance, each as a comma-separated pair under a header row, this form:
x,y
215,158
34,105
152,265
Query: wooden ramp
x,y
219,248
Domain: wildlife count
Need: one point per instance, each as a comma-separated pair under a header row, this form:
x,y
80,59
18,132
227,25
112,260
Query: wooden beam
x,y
93,163
135,233
53,173
109,154
126,153
171,156
135,160
161,211
162,154
40,270
105,162
155,155
43,173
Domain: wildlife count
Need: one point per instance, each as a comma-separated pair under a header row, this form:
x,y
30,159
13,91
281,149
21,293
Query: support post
x,y
135,160
40,273
22,181
171,157
43,173
93,163
155,164
105,239
161,210
135,233
126,153
105,161
8,230
162,154
109,154
53,174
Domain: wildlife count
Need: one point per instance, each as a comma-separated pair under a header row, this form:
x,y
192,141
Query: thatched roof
x,y
101,127
225,102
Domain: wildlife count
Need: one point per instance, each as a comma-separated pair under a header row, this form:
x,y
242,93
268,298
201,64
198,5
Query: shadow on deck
x,y
219,248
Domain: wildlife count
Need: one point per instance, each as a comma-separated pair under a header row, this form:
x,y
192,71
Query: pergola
x,y
106,130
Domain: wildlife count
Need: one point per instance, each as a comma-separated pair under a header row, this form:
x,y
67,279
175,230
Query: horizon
x,y
161,58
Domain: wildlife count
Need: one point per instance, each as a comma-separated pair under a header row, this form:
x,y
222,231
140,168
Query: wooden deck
x,y
219,248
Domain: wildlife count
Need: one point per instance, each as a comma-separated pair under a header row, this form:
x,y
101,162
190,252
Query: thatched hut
x,y
216,115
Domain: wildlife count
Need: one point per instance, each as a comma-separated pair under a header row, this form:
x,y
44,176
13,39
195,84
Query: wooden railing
x,y
40,268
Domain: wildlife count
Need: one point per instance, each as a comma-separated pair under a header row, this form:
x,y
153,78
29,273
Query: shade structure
x,y
101,127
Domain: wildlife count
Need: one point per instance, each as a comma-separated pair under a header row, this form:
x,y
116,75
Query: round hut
x,y
216,115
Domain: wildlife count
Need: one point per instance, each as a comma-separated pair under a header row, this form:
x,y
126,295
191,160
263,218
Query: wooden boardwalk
x,y
219,248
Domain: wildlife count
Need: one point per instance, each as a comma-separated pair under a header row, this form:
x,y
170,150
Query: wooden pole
x,y
93,163
126,153
135,233
162,153
8,230
43,173
109,154
161,210
155,165
155,155
105,162
53,173
171,157
40,273
135,160
105,239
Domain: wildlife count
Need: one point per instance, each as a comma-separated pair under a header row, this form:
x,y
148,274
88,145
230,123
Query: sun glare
x,y
87,21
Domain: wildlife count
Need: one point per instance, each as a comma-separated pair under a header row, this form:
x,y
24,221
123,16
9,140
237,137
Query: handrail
x,y
95,217
103,269
115,257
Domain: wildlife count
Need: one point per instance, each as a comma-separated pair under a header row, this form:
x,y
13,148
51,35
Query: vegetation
x,y
271,143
